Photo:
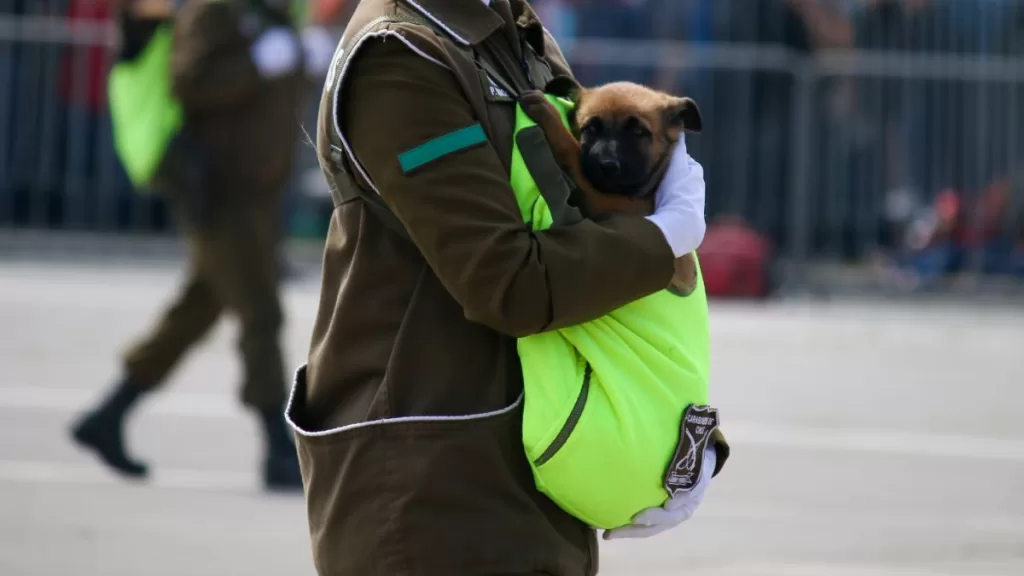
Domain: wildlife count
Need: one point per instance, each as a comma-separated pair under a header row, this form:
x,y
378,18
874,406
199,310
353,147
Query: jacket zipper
x,y
570,423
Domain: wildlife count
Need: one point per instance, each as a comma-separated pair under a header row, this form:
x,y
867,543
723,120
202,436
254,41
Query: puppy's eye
x,y
593,126
639,131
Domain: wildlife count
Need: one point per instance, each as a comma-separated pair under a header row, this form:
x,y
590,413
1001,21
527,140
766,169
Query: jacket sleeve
x,y
210,65
462,214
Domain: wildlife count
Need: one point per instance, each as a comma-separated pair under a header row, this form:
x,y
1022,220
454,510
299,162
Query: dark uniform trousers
x,y
232,267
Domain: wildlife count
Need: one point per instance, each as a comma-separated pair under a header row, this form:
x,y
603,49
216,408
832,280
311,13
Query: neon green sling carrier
x,y
145,114
604,399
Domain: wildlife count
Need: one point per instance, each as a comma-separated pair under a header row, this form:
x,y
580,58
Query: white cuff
x,y
679,203
683,230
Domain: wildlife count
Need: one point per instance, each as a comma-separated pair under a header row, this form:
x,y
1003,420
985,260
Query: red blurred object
x,y
735,260
947,206
332,12
84,68
981,221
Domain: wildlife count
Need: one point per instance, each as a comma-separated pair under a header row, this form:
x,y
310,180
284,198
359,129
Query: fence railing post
x,y
799,237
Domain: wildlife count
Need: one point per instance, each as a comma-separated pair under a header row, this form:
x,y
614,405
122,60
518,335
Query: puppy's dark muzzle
x,y
605,153
609,167
608,175
602,167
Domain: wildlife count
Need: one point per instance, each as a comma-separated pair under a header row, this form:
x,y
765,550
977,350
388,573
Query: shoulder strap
x,y
345,188
539,70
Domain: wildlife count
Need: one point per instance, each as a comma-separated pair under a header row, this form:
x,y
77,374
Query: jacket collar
x,y
471,21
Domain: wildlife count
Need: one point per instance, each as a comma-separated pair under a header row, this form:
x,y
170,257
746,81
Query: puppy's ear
x,y
683,114
565,87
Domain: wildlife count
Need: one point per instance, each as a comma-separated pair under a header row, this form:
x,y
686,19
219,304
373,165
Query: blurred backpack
x,y
145,114
736,260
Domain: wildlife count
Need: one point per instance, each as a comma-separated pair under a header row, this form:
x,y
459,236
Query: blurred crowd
x,y
885,140
892,143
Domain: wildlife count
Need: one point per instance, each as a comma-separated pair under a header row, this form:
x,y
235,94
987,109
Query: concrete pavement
x,y
869,439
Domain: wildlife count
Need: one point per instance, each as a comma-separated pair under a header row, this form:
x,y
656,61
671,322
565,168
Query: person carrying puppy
x,y
408,412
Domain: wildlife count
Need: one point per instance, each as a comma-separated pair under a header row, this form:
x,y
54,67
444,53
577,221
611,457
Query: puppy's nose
x,y
610,166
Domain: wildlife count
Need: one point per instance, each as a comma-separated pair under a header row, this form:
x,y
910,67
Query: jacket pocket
x,y
418,496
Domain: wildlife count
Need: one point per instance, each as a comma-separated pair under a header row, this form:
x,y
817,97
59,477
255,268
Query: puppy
x,y
618,151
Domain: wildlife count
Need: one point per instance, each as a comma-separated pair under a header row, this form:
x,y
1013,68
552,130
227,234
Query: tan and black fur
x,y
622,137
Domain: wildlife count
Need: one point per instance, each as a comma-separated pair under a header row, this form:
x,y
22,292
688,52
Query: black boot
x,y
101,430
281,467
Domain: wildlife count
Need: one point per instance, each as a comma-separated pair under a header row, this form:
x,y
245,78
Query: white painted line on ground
x,y
68,474
81,474
739,433
73,400
911,520
876,441
768,568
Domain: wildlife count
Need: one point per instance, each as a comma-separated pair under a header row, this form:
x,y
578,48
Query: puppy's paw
x,y
565,87
536,105
533,101
531,97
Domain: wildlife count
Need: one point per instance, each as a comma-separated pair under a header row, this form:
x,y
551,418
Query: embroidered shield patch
x,y
684,471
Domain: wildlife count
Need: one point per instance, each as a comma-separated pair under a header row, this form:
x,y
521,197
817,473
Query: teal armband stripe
x,y
441,146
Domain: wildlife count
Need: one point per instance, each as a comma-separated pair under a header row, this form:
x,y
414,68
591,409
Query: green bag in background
x,y
145,114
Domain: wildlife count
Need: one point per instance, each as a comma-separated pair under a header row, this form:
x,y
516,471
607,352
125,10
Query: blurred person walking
x,y
237,68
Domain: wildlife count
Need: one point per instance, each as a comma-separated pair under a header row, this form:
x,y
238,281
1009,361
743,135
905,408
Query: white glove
x,y
679,203
676,511
318,45
276,52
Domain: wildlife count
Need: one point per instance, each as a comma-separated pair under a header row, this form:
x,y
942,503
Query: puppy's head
x,y
627,133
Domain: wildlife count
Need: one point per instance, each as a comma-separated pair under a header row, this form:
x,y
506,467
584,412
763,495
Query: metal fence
x,y
833,136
